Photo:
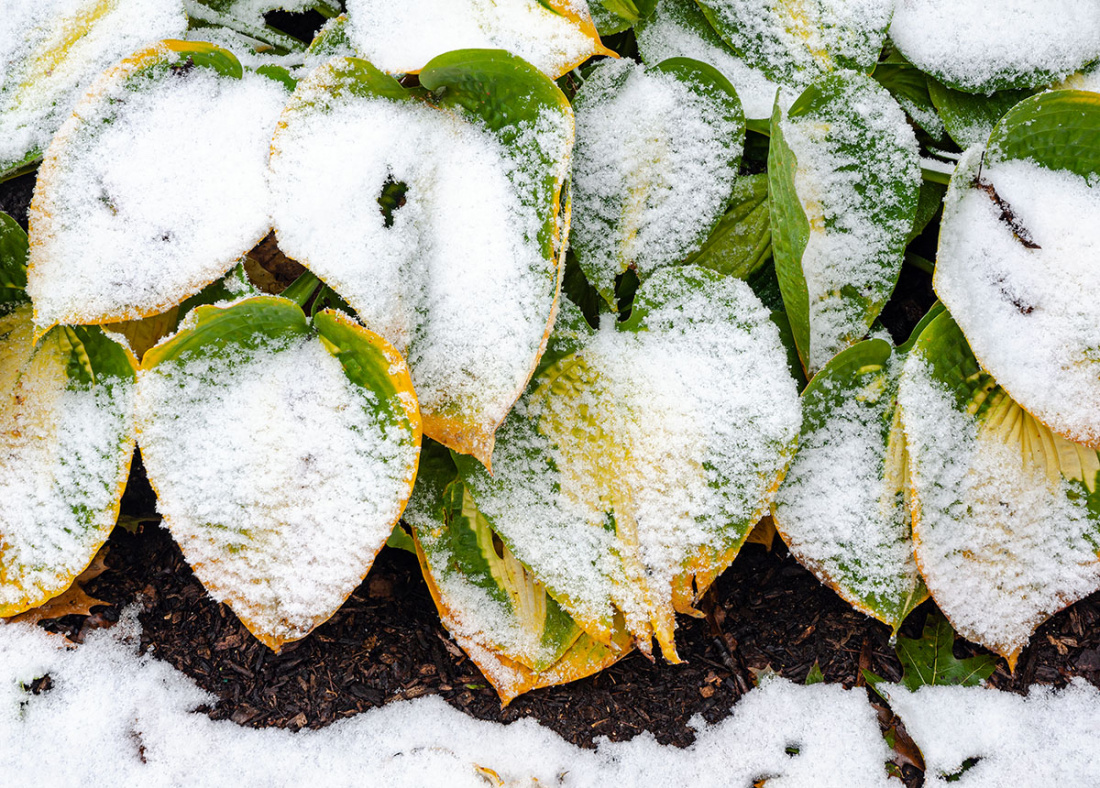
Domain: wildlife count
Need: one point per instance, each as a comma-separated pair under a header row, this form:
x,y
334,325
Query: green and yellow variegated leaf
x,y
1020,228
282,454
844,178
554,36
52,50
795,41
656,162
154,188
843,508
491,603
66,438
1005,512
440,222
633,469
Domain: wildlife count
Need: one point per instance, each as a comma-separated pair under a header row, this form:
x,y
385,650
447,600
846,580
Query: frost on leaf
x,y
555,36
1016,267
440,223
844,178
1004,510
282,455
512,629
655,164
51,50
153,188
979,47
795,41
632,470
843,508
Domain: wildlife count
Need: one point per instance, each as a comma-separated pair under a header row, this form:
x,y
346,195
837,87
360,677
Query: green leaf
x,y
815,676
1060,130
969,118
247,17
330,410
13,261
909,87
844,178
929,202
741,242
930,660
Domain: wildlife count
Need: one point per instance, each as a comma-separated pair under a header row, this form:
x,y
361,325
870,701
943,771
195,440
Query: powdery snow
x,y
38,88
132,216
403,37
131,720
1030,315
274,477
651,170
978,46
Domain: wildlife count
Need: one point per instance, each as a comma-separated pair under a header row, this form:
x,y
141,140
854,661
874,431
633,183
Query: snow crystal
x,y
1029,314
456,277
51,50
841,508
858,173
1045,738
133,215
678,29
274,477
1002,542
64,455
651,170
975,44
131,719
678,431
798,41
403,37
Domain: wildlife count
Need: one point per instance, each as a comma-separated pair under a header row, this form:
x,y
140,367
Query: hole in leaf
x,y
391,198
498,546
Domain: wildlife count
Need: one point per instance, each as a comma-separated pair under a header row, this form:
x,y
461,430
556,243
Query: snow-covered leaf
x,y
678,28
979,47
969,118
247,17
1015,266
741,242
51,50
440,222
153,188
844,178
655,164
492,604
555,36
632,470
1004,511
794,41
282,455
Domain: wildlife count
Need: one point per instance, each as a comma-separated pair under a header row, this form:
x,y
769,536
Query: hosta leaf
x,y
438,222
247,17
555,36
51,50
615,16
66,439
154,188
795,41
282,455
741,242
909,87
1020,231
843,506
656,161
678,28
980,47
512,629
1004,510
13,261
632,470
970,118
844,177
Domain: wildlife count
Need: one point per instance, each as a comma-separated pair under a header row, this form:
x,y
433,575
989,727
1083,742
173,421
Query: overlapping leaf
x,y
154,188
51,50
282,454
844,177
66,439
1015,263
438,217
1004,511
631,472
247,17
656,161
